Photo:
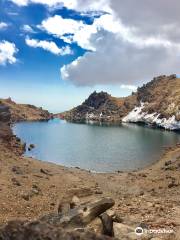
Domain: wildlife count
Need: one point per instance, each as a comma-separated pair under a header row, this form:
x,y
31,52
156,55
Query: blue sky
x,y
35,77
54,53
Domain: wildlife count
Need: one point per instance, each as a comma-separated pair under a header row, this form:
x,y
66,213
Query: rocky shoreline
x,y
147,198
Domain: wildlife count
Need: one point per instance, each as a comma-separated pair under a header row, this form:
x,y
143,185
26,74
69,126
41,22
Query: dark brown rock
x,y
17,170
80,216
19,230
107,223
45,171
15,182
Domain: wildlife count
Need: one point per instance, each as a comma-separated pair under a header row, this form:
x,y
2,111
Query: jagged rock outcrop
x,y
5,131
6,136
156,103
25,112
101,107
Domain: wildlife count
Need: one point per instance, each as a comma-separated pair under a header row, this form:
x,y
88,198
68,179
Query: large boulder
x,y
18,230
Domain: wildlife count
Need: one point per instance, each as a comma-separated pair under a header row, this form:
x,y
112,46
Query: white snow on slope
x,y
137,115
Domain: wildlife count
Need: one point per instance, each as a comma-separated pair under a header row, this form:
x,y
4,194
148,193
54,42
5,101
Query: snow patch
x,y
137,115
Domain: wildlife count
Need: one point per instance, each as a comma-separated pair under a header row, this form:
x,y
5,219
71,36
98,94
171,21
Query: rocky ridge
x,y
156,103
101,107
25,112
159,103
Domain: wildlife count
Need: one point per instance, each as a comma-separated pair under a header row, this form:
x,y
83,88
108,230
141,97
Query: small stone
x,y
26,197
17,170
15,182
35,190
81,192
44,171
172,184
142,175
141,193
171,168
167,163
149,204
98,192
32,146
74,202
35,187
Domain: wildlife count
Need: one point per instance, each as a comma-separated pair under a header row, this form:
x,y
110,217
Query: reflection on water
x,y
97,148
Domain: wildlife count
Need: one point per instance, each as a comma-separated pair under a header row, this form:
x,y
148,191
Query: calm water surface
x,y
96,148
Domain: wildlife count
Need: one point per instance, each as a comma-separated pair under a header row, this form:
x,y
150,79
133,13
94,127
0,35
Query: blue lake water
x,y
95,148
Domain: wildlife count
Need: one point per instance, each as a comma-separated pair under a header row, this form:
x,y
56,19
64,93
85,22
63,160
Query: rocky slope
x,y
6,136
156,103
147,198
101,107
159,103
25,112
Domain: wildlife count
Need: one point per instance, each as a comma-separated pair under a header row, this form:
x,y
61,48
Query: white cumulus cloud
x,y
27,28
120,62
7,52
136,40
20,2
48,46
78,5
129,87
3,25
71,30
133,47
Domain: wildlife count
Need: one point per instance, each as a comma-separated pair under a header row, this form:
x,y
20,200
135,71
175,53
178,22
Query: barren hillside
x,y
25,112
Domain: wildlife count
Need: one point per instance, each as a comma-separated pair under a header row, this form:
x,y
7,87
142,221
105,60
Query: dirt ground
x,y
30,188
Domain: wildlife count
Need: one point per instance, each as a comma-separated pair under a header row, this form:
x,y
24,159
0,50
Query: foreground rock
x,y
80,216
53,226
18,230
